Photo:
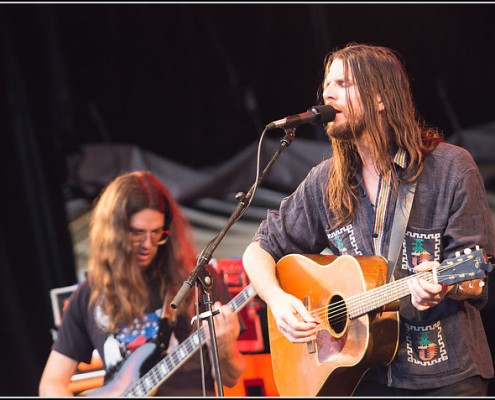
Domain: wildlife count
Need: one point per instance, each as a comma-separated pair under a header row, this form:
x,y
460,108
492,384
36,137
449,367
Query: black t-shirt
x,y
81,333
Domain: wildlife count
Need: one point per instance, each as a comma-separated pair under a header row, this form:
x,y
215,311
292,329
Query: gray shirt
x,y
450,212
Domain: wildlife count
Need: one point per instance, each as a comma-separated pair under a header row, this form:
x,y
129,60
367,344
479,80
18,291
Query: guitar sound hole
x,y
337,314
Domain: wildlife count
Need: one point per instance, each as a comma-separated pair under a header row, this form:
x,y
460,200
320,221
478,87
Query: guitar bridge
x,y
311,345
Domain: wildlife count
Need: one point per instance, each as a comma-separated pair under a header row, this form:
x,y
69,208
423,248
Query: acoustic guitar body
x,y
345,348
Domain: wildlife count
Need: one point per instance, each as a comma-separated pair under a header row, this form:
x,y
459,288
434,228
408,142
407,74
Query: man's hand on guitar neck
x,y
425,295
292,318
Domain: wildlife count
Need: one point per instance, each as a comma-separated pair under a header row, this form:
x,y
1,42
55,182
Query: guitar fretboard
x,y
157,374
363,303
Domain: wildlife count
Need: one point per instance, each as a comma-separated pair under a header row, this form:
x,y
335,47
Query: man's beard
x,y
344,132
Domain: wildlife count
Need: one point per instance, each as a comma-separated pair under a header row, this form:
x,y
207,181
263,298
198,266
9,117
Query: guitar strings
x,y
338,310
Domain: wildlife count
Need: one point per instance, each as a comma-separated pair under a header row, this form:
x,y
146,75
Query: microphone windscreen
x,y
326,113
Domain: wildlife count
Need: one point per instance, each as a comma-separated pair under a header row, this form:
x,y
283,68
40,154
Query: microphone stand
x,y
205,279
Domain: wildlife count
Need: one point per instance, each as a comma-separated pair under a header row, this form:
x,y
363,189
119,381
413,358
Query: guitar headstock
x,y
473,264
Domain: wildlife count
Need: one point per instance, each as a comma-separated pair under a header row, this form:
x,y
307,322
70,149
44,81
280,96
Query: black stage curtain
x,y
38,129
35,245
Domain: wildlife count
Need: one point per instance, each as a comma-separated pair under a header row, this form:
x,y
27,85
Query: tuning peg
x,y
457,253
482,283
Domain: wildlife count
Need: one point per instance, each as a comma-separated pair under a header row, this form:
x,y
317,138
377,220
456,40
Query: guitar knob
x,y
467,251
457,253
482,283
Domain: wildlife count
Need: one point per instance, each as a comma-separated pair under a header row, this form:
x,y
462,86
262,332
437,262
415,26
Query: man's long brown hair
x,y
117,283
376,71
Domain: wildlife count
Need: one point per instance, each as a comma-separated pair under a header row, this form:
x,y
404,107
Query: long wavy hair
x,y
117,284
376,71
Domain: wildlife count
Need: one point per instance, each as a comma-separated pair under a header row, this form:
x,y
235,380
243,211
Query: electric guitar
x,y
358,315
128,381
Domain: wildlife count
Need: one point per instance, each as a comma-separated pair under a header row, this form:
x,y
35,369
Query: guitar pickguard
x,y
329,347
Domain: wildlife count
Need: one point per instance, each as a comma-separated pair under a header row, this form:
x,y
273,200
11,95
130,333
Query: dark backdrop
x,y
195,84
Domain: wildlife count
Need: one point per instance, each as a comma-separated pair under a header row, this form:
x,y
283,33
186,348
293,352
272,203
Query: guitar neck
x,y
242,298
373,299
472,265
167,365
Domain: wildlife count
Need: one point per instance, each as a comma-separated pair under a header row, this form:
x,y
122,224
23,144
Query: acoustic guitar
x,y
358,315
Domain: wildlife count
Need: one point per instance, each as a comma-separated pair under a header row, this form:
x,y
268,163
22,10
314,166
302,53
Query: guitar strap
x,y
401,216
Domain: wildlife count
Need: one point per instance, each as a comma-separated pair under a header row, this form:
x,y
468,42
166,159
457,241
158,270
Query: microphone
x,y
315,115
